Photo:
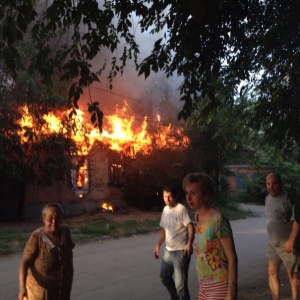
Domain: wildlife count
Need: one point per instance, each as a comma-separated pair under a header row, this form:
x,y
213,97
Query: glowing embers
x,y
80,176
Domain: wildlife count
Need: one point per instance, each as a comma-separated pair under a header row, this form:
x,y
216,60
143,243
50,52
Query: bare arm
x,y
161,239
24,265
289,245
191,232
229,248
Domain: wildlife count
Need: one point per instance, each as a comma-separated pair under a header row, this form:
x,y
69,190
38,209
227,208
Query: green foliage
x,y
283,161
231,41
214,45
25,154
217,135
61,44
198,36
15,18
256,192
96,115
233,213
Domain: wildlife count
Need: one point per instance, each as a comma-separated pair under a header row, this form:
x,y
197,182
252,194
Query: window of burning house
x,y
80,176
116,170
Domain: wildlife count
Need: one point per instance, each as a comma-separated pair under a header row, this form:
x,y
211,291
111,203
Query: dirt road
x,y
126,268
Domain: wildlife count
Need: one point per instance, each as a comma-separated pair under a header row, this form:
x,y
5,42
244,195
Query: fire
x,y
108,207
118,133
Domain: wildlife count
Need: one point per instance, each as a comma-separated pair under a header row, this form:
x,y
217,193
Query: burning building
x,y
99,163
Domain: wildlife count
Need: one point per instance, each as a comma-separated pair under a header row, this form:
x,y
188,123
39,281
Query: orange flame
x,y
118,133
107,207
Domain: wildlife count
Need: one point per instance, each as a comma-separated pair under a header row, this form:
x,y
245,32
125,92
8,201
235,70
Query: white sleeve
x,y
185,216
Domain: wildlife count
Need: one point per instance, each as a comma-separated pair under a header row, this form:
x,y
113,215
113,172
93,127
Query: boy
x,y
178,233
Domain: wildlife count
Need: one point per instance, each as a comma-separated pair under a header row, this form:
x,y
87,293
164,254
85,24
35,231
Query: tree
x,y
283,160
203,41
217,137
28,148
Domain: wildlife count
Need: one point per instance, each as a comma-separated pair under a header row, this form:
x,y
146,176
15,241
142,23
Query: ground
x,y
119,215
257,289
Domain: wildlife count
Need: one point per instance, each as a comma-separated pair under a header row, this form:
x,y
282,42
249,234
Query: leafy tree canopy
x,y
28,148
235,41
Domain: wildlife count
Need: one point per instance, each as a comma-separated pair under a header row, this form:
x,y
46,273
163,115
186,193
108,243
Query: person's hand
x,y
156,252
289,246
233,296
232,292
188,250
22,294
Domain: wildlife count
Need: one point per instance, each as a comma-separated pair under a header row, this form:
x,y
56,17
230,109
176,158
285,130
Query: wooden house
x,y
100,181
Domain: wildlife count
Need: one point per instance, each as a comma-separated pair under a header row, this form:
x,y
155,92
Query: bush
x,y
256,191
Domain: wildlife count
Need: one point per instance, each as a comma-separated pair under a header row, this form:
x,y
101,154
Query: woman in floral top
x,y
214,244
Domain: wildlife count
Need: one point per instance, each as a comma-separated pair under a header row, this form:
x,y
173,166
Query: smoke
x,y
129,86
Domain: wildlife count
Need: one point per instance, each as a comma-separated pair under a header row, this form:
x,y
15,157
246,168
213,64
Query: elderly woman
x,y
46,268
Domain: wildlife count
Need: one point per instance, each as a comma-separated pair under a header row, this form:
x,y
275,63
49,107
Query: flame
x,y
107,207
81,176
25,122
118,133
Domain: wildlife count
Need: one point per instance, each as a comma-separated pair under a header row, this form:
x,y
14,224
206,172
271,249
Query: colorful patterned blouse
x,y
212,263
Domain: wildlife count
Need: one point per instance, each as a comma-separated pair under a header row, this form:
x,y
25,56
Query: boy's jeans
x,y
177,263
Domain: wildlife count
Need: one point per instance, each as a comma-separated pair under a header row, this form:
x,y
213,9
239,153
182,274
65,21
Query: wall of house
x,y
75,201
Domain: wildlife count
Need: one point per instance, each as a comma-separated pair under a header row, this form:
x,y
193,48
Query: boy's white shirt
x,y
175,220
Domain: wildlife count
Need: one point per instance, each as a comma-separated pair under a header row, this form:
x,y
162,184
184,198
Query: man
x,y
178,233
282,236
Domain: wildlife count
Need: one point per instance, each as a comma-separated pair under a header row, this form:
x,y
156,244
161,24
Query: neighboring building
x,y
97,179
242,173
242,176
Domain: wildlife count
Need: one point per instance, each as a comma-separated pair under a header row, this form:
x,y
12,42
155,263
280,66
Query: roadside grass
x,y
105,228
233,213
14,240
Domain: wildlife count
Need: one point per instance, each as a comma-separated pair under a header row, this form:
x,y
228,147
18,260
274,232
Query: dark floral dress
x,y
50,275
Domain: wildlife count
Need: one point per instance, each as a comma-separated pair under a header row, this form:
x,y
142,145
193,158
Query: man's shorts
x,y
278,254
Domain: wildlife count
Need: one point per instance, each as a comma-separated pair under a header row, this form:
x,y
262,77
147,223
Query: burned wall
x,y
88,197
